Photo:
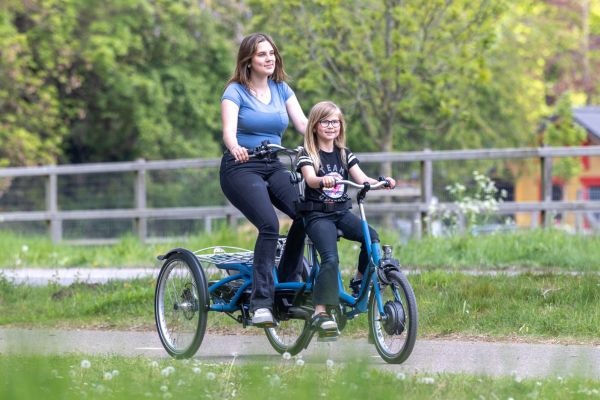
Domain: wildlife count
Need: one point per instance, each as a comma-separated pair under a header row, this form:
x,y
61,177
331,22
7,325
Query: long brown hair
x,y
311,139
244,59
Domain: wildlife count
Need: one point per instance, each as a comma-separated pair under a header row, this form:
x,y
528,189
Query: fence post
x,y
52,207
140,200
546,188
426,194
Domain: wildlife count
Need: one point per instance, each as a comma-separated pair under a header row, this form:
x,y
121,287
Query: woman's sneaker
x,y
263,318
325,326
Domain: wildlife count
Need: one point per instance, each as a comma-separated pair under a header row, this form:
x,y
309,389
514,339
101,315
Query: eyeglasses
x,y
333,123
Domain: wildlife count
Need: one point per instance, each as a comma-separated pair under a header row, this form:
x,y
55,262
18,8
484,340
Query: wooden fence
x,y
420,207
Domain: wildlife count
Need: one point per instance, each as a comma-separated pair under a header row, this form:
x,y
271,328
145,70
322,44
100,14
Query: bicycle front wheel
x,y
181,304
395,331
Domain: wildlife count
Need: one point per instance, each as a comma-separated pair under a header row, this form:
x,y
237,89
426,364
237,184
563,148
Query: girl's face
x,y
263,61
329,127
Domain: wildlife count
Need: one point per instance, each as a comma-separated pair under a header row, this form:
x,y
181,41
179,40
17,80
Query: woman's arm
x,y
296,114
229,118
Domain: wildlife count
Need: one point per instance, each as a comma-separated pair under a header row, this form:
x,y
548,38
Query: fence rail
x,y
420,207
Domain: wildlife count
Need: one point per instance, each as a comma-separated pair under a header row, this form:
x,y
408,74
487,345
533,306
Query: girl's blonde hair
x,y
321,111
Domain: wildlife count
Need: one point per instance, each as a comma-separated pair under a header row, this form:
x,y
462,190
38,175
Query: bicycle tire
x,y
289,336
395,336
181,304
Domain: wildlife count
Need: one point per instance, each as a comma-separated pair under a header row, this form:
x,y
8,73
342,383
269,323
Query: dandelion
x,y
115,372
274,380
107,376
167,371
300,362
211,376
85,364
154,364
286,356
196,370
400,376
427,380
164,388
329,363
24,248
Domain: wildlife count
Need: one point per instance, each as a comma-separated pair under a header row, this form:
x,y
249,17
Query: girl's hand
x,y
392,182
328,181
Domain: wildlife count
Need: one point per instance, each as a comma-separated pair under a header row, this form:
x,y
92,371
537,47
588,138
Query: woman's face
x,y
263,61
329,127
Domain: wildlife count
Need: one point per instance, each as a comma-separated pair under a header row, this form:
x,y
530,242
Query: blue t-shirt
x,y
258,121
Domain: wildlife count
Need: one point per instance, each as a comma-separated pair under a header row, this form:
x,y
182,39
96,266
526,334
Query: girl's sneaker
x,y
325,326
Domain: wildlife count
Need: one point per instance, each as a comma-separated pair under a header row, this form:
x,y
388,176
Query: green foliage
x,y
563,131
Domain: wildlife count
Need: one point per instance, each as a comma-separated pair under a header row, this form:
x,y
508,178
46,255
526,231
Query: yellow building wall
x,y
527,188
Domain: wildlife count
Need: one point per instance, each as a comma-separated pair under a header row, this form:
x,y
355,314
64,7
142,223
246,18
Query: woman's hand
x,y
239,153
391,181
328,181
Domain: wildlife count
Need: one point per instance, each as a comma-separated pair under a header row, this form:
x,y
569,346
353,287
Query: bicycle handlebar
x,y
365,186
267,148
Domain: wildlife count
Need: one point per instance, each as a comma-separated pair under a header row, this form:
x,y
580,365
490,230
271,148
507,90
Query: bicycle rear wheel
x,y
181,304
394,332
289,335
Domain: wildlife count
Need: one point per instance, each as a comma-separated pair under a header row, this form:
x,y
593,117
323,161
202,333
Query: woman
x,y
257,105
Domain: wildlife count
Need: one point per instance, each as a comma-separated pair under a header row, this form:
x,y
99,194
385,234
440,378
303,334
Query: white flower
x,y
167,371
164,388
196,370
286,356
115,372
300,362
211,376
400,376
329,363
85,364
154,364
275,380
24,248
107,376
426,380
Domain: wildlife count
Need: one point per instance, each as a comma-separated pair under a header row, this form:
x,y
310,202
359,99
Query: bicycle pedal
x,y
327,337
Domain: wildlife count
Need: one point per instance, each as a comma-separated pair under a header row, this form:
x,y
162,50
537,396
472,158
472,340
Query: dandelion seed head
x,y
164,388
107,376
154,364
167,371
400,376
196,370
85,364
286,356
300,362
274,380
115,372
211,376
24,248
329,363
427,380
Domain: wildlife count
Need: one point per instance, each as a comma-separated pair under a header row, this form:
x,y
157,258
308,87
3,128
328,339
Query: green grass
x,y
528,306
533,249
113,378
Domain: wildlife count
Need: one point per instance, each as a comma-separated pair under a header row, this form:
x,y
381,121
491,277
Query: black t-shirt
x,y
331,165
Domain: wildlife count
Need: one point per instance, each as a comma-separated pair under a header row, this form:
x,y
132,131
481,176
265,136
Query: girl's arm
x,y
229,118
296,114
314,181
358,176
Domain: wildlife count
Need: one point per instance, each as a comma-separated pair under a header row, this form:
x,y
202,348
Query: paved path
x,y
66,276
429,356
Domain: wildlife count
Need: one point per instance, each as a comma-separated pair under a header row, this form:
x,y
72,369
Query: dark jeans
x,y
321,228
254,188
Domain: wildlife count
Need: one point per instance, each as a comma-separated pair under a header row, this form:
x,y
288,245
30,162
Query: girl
x,y
326,206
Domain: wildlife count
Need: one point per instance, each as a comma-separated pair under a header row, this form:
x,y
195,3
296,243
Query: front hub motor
x,y
395,319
